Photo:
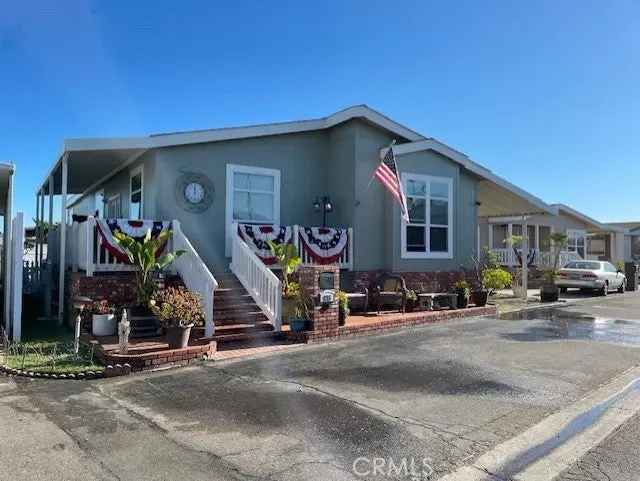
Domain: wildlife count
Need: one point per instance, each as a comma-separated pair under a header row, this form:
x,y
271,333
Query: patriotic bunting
x,y
133,228
325,245
256,237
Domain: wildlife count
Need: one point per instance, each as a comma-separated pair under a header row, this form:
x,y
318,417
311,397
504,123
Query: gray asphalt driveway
x,y
445,393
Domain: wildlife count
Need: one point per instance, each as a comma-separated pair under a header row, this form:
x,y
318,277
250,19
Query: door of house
x,y
253,197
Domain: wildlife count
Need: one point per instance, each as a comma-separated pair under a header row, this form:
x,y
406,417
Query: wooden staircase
x,y
236,316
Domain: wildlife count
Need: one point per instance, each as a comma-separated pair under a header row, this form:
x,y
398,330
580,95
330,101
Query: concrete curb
x,y
545,450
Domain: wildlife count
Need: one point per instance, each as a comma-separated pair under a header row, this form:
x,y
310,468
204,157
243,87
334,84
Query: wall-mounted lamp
x,y
323,205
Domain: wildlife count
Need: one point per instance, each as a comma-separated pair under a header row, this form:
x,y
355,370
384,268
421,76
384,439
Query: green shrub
x,y
494,279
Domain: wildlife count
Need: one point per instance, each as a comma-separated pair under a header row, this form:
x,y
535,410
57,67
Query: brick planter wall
x,y
324,318
117,287
157,358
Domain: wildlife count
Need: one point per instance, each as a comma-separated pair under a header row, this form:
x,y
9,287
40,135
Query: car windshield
x,y
583,265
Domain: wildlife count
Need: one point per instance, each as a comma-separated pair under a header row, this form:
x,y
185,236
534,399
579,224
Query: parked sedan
x,y
593,275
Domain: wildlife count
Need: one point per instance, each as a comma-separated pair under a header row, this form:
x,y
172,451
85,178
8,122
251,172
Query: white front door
x,y
253,197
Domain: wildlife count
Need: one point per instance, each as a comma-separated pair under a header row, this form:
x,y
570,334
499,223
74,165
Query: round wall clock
x,y
194,192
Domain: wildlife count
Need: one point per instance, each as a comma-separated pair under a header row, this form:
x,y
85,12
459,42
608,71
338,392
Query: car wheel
x,y
605,289
622,287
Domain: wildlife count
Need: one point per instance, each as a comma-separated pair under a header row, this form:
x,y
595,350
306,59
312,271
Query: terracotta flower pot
x,y
178,336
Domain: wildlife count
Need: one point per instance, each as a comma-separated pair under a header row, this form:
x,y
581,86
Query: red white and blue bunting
x,y
256,237
324,244
133,228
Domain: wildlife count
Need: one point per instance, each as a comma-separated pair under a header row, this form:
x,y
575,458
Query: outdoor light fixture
x,y
323,205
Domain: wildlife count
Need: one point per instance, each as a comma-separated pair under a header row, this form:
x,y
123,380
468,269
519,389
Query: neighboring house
x,y
272,174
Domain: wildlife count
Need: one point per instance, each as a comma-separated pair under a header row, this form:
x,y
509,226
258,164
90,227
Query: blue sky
x,y
546,94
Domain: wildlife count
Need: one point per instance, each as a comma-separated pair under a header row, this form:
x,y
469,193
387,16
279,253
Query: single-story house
x,y
208,181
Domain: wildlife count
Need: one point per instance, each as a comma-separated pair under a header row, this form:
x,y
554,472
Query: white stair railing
x,y
262,285
195,274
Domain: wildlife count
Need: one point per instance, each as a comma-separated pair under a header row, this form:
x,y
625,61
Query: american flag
x,y
387,174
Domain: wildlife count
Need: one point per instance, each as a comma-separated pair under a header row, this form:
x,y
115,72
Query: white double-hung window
x,y
429,232
253,196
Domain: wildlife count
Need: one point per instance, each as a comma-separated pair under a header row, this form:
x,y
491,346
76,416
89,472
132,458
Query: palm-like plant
x,y
145,257
288,259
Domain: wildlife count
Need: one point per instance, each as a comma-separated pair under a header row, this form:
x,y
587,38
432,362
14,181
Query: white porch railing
x,y
260,282
507,257
194,273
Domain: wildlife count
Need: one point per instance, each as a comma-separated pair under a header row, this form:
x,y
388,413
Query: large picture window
x,y
428,234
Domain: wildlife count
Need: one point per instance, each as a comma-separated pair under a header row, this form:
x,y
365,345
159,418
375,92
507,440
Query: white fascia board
x,y
232,133
467,163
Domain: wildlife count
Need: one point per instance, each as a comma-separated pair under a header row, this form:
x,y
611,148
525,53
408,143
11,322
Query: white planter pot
x,y
104,325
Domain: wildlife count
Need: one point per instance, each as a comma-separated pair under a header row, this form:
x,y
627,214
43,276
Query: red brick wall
x,y
118,288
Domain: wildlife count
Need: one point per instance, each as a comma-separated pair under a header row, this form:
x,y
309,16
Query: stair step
x,y
243,328
240,303
245,336
239,318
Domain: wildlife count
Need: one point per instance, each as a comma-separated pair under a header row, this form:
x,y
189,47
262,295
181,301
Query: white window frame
x,y
109,201
406,176
132,174
232,169
576,233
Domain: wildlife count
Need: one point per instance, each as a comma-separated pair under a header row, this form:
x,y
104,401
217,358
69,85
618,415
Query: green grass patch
x,y
48,347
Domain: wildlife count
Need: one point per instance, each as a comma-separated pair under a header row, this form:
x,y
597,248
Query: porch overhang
x,y
89,163
593,226
6,174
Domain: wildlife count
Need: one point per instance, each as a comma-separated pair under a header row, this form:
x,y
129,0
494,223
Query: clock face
x,y
194,193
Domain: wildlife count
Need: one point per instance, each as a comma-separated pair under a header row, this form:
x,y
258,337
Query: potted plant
x,y
103,319
148,260
343,307
412,300
299,317
495,279
463,291
549,291
288,259
482,263
178,310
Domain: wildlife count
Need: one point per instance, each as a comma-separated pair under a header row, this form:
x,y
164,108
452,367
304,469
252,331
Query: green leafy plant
x,y
177,307
557,241
620,266
302,305
461,285
486,259
495,279
145,257
287,257
412,296
343,300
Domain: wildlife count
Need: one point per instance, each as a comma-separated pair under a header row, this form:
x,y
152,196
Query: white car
x,y
601,276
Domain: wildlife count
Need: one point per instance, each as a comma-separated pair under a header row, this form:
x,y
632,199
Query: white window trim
x,y
576,233
248,169
133,173
111,199
403,226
